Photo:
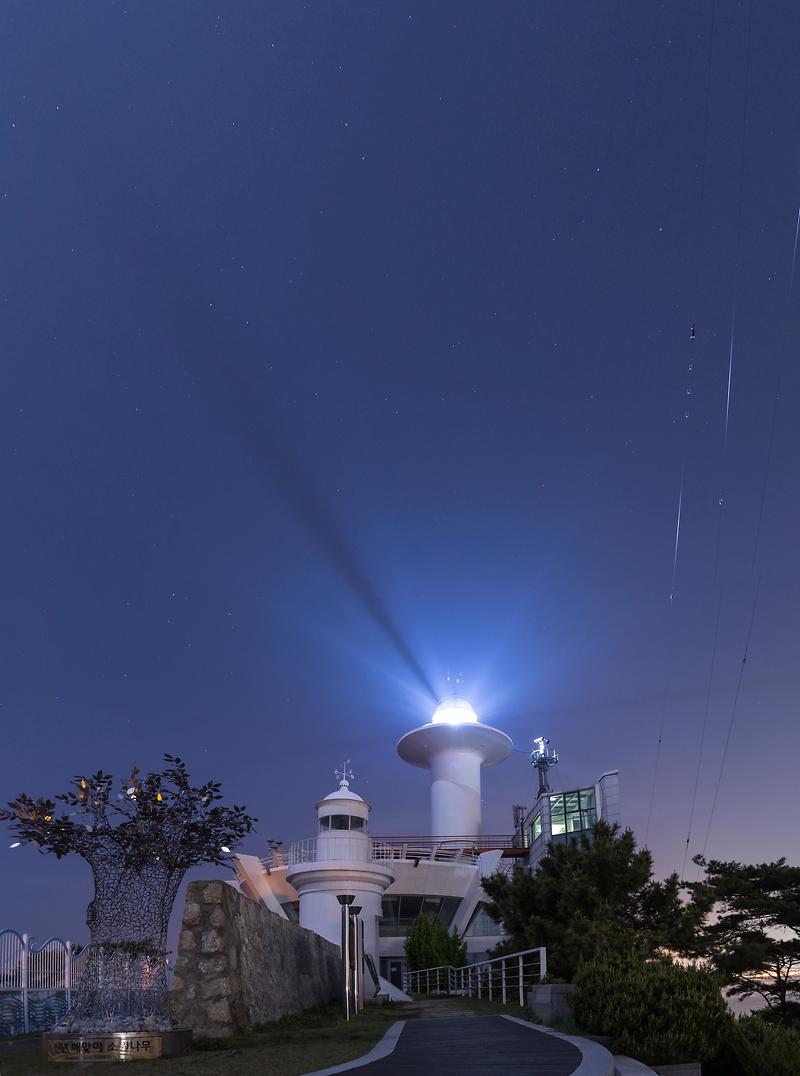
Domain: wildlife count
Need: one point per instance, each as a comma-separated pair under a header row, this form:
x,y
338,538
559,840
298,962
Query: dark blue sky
x,y
343,344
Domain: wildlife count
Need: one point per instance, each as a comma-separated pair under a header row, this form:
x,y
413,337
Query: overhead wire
x,y
717,581
732,719
669,664
757,539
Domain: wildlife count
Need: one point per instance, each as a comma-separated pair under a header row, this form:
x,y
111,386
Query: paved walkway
x,y
469,1045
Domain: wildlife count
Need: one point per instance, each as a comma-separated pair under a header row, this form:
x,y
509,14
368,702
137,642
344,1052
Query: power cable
x,y
723,478
669,665
733,714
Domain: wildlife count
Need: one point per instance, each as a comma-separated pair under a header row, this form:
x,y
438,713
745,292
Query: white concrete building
x,y
395,879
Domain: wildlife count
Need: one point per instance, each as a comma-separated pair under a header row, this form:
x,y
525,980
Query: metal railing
x,y
502,978
36,981
483,843
438,850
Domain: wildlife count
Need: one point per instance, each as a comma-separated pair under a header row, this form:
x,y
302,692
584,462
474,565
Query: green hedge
x,y
759,1048
656,1011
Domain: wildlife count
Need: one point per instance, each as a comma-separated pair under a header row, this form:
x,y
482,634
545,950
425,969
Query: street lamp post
x,y
346,899
358,1001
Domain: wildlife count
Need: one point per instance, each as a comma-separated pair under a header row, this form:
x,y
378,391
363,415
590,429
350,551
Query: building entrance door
x,y
396,973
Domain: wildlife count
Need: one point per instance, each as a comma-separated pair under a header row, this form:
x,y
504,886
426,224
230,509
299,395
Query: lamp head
x,y
454,710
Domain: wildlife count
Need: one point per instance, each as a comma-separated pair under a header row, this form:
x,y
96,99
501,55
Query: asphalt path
x,y
475,1046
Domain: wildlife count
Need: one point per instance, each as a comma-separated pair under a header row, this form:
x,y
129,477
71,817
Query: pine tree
x,y
753,939
592,895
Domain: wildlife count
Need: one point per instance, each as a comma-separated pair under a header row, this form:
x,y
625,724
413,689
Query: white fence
x,y
503,978
36,981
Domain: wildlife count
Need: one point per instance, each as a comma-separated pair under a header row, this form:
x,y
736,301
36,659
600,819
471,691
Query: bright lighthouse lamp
x,y
454,711
455,746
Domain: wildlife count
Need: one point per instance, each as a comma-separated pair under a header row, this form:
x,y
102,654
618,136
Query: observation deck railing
x,y
504,978
382,849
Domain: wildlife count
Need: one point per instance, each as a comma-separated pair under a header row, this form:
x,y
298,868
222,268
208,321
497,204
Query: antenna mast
x,y
542,759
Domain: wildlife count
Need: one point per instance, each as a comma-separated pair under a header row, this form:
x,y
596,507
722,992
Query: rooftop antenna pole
x,y
542,759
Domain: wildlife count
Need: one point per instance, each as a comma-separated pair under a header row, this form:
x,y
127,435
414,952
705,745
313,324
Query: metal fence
x,y
442,850
503,978
36,981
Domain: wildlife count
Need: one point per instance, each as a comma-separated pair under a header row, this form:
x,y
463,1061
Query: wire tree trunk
x,y
124,983
139,844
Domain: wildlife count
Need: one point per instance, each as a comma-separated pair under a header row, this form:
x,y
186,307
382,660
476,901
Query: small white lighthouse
x,y
455,746
339,861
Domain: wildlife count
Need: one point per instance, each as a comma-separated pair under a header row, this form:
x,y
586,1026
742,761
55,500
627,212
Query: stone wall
x,y
240,964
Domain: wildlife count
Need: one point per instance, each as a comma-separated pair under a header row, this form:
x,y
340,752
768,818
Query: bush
x,y
759,1047
656,1011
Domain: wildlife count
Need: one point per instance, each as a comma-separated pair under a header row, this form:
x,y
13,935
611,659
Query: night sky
x,y
348,344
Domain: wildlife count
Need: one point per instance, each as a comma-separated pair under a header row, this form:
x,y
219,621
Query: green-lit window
x,y
536,828
558,822
572,812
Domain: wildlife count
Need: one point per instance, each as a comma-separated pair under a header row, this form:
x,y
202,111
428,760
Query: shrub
x,y
759,1047
656,1011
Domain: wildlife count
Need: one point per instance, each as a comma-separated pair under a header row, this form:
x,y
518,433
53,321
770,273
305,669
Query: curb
x,y
597,1061
382,1049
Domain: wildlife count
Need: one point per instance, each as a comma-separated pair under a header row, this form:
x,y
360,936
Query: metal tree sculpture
x,y
139,843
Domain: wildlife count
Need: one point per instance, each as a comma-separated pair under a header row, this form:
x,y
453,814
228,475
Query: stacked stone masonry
x,y
240,965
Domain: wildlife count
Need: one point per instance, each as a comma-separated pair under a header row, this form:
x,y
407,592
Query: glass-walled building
x,y
559,816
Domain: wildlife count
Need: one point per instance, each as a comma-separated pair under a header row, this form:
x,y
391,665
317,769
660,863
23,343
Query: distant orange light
x,y
159,797
83,783
48,818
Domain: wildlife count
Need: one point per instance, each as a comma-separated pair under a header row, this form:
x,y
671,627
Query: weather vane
x,y
345,775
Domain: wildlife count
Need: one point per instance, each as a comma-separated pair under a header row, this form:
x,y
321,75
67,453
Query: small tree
x,y
594,892
753,940
419,948
448,948
139,843
430,945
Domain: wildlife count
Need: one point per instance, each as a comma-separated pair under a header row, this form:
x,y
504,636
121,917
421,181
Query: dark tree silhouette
x,y
753,937
139,842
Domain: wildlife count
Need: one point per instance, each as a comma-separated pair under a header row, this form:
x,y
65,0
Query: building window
x,y
572,812
342,821
401,909
536,828
482,925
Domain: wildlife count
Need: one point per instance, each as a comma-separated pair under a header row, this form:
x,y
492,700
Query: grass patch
x,y
291,1046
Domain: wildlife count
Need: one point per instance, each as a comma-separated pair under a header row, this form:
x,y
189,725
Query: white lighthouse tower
x,y
339,861
455,746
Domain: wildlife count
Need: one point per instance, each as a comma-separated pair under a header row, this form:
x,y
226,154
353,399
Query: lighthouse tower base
x,y
319,884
